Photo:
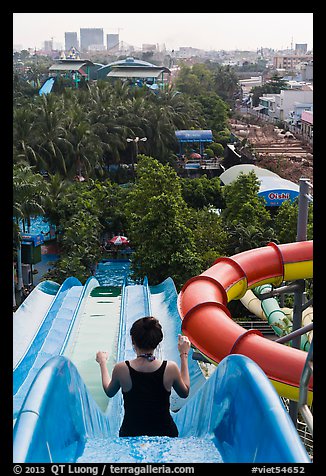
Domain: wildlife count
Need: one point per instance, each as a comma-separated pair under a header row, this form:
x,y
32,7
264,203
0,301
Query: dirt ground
x,y
289,157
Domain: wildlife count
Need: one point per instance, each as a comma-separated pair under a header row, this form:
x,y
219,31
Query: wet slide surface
x,y
96,328
159,301
149,449
234,416
48,341
28,317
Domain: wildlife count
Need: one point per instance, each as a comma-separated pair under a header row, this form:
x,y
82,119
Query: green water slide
x,y
279,318
96,327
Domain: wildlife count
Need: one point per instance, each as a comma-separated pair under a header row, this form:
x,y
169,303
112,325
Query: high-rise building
x,y
301,48
112,41
48,45
71,40
91,36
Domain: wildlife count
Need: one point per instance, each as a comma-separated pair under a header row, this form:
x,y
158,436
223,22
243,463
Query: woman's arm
x,y
184,348
110,385
181,382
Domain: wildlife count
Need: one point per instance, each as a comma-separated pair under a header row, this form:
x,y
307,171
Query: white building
x,y
280,105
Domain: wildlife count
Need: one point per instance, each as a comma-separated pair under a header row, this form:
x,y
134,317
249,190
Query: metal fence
x,y
303,430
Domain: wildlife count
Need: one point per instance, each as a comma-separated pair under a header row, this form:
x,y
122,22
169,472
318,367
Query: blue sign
x,y
37,240
275,198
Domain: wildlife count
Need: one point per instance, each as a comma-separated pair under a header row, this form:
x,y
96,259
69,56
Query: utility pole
x,y
304,199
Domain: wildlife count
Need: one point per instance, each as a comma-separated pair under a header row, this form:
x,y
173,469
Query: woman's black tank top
x,y
147,405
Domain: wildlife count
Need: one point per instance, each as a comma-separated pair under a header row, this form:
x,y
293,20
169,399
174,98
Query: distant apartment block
x,y
112,41
290,62
91,38
249,83
71,40
187,52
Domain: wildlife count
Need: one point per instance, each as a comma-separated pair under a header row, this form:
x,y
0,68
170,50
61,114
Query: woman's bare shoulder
x,y
120,367
172,366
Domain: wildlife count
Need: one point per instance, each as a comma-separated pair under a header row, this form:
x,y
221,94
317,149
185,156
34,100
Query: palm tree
x,y
23,135
85,149
56,188
28,190
246,237
226,83
52,134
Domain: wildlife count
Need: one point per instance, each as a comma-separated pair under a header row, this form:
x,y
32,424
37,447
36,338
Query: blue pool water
x,y
112,273
150,449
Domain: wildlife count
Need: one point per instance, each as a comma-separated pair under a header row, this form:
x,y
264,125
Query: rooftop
x,y
194,135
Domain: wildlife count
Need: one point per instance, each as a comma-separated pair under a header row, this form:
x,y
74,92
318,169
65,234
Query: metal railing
x,y
303,395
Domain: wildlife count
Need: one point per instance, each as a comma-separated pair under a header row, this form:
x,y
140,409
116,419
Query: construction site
x,y
280,151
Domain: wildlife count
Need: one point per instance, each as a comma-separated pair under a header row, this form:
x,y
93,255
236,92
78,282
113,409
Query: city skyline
x,y
207,31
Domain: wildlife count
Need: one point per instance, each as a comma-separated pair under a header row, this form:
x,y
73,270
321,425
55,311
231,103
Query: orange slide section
x,y
206,320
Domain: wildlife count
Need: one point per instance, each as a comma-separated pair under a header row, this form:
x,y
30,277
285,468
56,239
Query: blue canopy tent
x,y
196,136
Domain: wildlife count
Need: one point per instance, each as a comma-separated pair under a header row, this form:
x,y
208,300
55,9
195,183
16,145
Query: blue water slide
x,y
237,411
240,409
235,414
57,416
90,284
47,86
29,316
48,341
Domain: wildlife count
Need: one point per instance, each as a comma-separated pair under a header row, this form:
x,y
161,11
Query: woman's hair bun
x,y
146,332
149,322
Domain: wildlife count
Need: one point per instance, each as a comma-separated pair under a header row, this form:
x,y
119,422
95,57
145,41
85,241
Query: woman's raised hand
x,y
102,356
183,344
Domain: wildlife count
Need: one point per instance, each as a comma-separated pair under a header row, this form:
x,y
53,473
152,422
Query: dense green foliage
x,y
158,222
82,132
177,226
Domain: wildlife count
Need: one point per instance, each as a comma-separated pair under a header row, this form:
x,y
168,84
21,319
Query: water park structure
x,y
76,423
235,415
130,69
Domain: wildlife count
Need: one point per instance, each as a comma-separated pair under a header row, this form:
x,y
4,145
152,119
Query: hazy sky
x,y
216,31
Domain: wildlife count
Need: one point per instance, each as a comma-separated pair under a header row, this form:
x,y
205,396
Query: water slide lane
x,y
160,301
96,327
236,416
202,305
47,86
135,304
28,317
67,424
48,341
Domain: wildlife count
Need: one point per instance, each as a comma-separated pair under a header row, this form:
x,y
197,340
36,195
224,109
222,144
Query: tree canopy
x,y
158,220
